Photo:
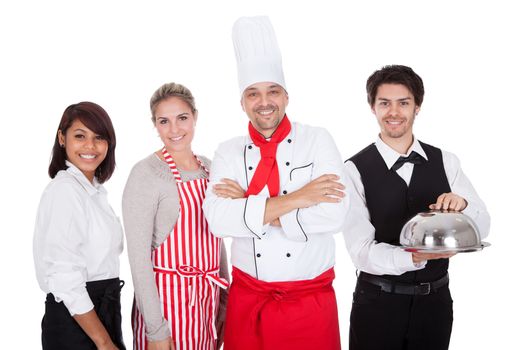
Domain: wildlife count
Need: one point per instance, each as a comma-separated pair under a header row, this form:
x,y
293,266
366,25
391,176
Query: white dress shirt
x,y
382,258
77,239
303,247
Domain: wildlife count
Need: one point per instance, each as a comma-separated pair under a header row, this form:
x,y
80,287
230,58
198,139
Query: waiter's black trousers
x,y
60,331
385,321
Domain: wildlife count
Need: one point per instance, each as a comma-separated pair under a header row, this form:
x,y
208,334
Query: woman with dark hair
x,y
179,268
78,238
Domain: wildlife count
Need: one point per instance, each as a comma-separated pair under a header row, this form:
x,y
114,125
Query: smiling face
x,y
265,105
175,123
84,148
395,110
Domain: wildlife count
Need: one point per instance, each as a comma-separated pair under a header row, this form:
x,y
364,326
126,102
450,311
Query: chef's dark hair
x,y
395,74
97,120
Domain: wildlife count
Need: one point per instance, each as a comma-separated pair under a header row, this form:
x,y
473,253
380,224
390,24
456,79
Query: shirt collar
x,y
91,188
390,156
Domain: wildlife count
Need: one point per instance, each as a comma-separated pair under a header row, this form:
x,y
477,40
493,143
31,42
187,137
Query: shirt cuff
x,y
80,305
292,227
254,214
403,261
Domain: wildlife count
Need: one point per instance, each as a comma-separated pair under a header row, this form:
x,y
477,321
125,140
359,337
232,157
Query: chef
x,y
278,193
402,299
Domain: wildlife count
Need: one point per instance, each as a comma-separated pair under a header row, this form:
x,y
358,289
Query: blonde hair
x,y
171,90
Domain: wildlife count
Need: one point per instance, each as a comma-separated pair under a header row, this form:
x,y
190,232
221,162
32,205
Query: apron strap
x,y
174,169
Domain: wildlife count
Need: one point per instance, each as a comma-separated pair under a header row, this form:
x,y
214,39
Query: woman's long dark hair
x,y
97,120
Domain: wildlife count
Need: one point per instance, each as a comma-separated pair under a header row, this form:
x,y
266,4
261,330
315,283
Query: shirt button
x,y
289,140
285,192
250,147
287,163
250,168
288,255
258,255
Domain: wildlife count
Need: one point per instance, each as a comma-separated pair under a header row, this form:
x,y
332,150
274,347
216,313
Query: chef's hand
x,y
449,201
420,257
276,223
229,189
166,344
324,189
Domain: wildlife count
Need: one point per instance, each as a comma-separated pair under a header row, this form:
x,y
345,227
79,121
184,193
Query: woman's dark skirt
x,y
60,331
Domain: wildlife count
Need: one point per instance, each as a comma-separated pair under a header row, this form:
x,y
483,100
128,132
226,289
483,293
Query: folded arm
x,y
232,217
322,210
323,206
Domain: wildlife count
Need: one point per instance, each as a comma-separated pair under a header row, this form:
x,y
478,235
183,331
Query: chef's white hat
x,y
257,52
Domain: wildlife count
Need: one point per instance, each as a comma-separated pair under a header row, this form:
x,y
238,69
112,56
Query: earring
x,y
61,145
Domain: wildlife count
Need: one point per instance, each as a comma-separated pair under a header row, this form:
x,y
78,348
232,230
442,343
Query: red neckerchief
x,y
267,172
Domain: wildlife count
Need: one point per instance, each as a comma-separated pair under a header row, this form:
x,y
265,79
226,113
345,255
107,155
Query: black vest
x,y
391,203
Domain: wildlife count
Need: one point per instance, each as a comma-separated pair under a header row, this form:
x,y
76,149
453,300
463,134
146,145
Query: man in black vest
x,y
402,300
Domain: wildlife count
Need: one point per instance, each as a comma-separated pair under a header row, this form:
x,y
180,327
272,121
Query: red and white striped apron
x,y
186,267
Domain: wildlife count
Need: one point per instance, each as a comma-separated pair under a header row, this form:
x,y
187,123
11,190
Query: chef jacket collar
x,y
390,156
91,188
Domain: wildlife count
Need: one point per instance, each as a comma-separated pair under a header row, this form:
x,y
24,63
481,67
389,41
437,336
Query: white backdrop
x,y
117,53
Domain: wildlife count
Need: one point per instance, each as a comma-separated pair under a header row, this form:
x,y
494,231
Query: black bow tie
x,y
413,158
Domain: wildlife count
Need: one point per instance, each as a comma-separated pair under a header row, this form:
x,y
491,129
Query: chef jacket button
x,y
258,255
287,163
250,147
288,255
289,140
285,192
250,168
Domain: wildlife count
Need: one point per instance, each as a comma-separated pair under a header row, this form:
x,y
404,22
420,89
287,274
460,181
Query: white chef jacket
x,y
77,239
382,258
303,247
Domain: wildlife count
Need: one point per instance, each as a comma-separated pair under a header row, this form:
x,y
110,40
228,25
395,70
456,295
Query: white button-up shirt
x,y
77,239
382,258
303,247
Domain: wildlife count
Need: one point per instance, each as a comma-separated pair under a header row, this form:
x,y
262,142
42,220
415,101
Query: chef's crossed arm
x,y
327,214
226,215
319,206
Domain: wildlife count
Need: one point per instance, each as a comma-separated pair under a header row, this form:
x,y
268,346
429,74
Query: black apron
x,y
60,331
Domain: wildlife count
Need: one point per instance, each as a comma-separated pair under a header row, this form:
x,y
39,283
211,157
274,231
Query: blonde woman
x,y
175,260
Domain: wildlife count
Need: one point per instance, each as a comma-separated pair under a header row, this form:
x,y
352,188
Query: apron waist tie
x,y
211,276
106,295
280,291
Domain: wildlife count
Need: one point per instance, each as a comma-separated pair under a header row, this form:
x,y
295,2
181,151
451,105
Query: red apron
x,y
186,267
282,315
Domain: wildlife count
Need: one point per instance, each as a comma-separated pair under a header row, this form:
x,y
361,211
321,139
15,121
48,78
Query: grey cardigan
x,y
150,210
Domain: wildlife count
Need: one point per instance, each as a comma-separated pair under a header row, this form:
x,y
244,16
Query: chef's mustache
x,y
267,107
